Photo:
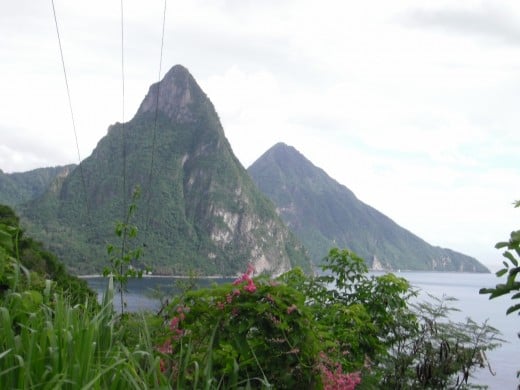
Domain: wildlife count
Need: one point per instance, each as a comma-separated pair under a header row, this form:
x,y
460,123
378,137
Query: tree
x,y
121,265
369,323
510,271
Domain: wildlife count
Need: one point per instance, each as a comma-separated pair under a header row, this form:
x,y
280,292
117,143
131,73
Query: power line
x,y
71,113
154,131
123,135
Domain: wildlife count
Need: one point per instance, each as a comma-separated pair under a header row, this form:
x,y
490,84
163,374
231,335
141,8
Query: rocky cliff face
x,y
173,96
199,209
325,214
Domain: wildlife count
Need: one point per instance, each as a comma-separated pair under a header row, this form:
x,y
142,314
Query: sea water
x,y
142,295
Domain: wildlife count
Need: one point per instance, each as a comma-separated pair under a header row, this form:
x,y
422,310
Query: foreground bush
x,y
340,331
256,332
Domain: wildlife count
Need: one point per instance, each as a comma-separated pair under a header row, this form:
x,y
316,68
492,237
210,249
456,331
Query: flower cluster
x,y
333,376
246,277
176,333
249,286
175,329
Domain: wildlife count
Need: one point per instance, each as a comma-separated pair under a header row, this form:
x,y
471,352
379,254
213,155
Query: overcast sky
x,y
413,105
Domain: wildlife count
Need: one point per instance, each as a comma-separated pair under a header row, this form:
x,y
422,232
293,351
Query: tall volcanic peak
x,y
177,91
324,213
288,157
198,210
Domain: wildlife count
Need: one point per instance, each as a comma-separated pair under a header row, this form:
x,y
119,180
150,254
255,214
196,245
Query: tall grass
x,y
47,343
57,345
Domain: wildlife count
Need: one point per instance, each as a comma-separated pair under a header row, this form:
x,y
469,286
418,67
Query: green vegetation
x,y
199,209
510,272
325,214
121,262
23,253
344,330
18,188
326,332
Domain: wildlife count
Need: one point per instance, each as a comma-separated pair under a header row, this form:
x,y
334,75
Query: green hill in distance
x,y
21,187
324,213
199,210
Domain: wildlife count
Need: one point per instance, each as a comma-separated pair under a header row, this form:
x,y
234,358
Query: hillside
x,y
21,187
199,209
40,265
324,214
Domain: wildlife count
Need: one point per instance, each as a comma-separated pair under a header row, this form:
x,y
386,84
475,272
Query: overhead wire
x,y
154,131
80,166
126,213
123,132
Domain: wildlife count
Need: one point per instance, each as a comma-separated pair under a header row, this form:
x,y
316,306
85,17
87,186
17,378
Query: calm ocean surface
x,y
504,360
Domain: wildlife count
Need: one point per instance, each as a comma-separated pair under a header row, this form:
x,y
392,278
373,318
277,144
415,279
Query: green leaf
x,y
513,308
502,244
501,289
515,237
133,232
6,240
501,272
514,271
511,258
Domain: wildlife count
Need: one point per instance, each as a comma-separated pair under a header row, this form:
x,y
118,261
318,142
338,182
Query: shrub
x,y
255,331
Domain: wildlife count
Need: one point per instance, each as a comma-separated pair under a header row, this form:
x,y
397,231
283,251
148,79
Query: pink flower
x,y
174,323
178,334
166,347
250,287
291,308
334,378
220,305
229,298
246,276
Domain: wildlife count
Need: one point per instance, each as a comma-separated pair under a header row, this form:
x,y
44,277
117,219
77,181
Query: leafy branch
x,y
122,264
510,270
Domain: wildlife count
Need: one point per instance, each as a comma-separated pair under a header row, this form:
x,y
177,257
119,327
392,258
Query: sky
x,y
413,105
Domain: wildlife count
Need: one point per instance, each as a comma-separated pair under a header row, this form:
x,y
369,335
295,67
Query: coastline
x,y
162,276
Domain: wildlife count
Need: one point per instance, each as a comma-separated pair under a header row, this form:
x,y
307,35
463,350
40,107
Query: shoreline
x,y
162,276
